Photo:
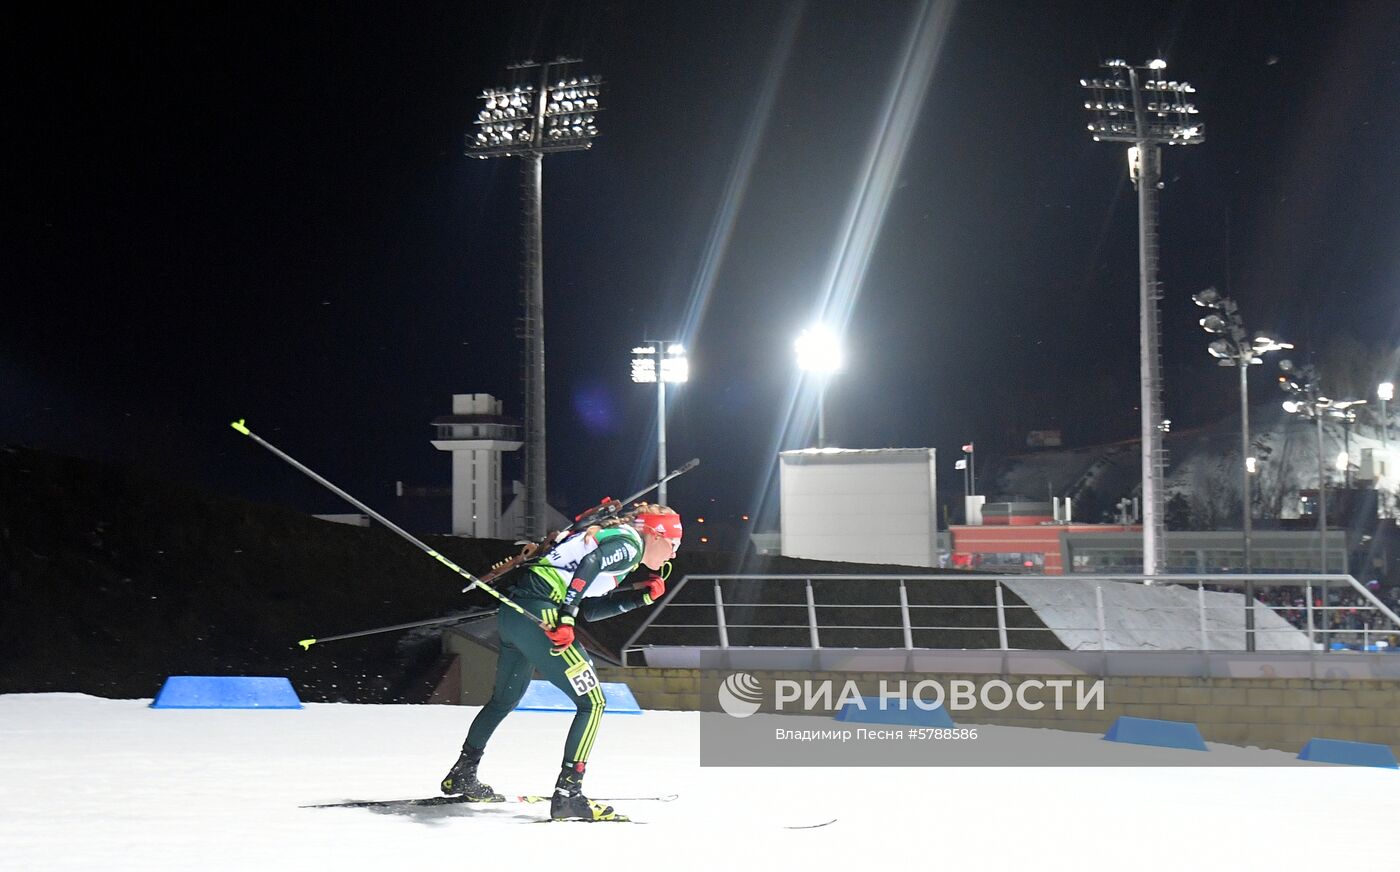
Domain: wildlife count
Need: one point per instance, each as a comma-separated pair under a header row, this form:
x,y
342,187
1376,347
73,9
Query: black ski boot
x,y
461,779
568,802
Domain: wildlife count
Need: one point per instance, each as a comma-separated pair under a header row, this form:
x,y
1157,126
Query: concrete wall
x,y
1280,713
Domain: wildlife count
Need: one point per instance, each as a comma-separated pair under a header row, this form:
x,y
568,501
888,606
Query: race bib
x,y
582,677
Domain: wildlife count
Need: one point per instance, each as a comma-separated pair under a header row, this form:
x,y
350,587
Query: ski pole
x,y
241,427
307,643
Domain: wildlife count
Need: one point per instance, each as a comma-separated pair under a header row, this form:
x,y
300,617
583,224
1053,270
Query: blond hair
x,y
630,515
649,509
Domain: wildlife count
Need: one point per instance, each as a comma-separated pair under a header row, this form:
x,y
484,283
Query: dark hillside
x,y
110,581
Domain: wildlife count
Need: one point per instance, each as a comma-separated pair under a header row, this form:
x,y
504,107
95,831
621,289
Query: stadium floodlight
x,y
1263,344
1136,106
644,365
1304,387
1207,298
1233,349
660,362
529,119
819,352
675,366
1213,324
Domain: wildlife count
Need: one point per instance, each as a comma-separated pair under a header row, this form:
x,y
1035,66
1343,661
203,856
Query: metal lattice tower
x,y
529,120
1137,105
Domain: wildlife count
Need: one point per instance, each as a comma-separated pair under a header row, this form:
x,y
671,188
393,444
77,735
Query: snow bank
x,y
1141,617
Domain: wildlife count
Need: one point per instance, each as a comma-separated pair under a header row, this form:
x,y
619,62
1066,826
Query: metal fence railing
x,y
887,616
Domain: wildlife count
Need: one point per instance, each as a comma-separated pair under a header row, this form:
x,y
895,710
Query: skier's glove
x,y
655,587
562,635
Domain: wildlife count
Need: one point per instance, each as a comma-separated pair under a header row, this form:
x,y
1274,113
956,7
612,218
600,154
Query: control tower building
x,y
477,434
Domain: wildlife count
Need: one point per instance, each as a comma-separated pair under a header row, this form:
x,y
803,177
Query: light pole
x,y
1136,105
1347,415
529,120
669,358
1234,349
819,352
1304,385
1385,392
970,449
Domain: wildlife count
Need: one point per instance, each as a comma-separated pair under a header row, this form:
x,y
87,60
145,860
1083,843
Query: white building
x,y
860,505
477,434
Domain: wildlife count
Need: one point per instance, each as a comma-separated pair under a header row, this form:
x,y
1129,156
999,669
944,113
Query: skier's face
x,y
658,550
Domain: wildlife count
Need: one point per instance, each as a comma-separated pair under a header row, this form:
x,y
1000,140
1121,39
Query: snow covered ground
x,y
89,783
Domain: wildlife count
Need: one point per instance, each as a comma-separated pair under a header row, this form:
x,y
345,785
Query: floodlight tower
x,y
528,120
660,362
1303,384
1137,105
1234,348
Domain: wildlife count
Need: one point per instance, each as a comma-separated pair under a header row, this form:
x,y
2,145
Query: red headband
x,y
665,526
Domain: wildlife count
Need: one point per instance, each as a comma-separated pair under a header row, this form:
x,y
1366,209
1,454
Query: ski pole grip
x,y
241,427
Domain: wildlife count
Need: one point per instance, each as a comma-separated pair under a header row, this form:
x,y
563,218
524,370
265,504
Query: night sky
x,y
264,211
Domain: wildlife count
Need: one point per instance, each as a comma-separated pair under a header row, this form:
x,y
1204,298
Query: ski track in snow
x,y
95,784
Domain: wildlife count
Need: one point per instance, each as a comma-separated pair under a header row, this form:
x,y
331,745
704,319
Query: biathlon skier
x,y
578,578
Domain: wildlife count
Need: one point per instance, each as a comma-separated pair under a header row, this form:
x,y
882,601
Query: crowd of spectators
x,y
1346,608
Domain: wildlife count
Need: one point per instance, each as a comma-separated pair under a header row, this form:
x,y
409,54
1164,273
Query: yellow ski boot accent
x,y
604,812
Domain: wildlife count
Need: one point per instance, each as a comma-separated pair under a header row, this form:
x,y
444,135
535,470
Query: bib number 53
x,y
582,677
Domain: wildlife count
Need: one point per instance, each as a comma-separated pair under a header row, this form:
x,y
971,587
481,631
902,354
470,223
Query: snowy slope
x,y
1161,617
88,783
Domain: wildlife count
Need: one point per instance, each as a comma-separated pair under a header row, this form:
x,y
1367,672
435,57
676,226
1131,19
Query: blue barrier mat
x,y
913,716
541,696
1348,753
1164,734
226,692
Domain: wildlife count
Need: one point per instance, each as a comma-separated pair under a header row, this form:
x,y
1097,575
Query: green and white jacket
x,y
581,573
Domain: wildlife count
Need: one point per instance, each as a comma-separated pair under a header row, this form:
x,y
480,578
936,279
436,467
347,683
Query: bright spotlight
x,y
1213,324
1207,298
818,350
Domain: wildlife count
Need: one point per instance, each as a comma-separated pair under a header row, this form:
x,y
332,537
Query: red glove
x,y
562,635
655,587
